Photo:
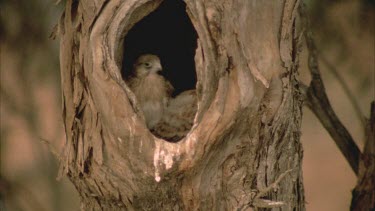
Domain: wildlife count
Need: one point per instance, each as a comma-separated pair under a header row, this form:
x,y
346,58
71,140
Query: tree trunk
x,y
243,150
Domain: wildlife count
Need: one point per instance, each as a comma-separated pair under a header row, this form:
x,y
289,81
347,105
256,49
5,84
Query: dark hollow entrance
x,y
168,33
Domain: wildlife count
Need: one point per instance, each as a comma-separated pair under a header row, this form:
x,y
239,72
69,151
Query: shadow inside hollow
x,y
168,33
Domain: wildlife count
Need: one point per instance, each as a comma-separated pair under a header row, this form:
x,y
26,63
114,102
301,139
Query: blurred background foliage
x,y
30,109
30,103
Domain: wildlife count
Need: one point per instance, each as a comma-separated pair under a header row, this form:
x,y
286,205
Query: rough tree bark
x,y
243,150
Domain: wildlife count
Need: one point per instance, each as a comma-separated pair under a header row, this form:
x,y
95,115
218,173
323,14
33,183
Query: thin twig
x,y
318,102
259,202
273,186
346,89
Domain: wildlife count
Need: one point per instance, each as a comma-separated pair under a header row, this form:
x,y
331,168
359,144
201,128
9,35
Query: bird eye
x,y
147,64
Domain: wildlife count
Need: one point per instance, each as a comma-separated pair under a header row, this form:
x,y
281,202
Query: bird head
x,y
147,64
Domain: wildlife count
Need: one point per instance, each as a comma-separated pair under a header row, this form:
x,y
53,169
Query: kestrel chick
x,y
178,117
151,89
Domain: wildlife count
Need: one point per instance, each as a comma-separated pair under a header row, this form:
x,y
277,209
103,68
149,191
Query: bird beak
x,y
158,68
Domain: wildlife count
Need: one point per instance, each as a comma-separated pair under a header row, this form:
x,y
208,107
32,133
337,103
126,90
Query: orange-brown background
x,y
30,103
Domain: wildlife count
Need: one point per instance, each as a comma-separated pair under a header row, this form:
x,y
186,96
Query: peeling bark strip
x,y
243,150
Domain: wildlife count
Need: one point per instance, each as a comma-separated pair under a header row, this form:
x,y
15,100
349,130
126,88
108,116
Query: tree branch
x,y
318,102
346,89
364,192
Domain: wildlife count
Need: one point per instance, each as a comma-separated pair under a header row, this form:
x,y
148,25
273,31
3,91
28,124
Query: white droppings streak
x,y
131,128
191,142
164,156
156,161
168,161
178,149
140,146
119,139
